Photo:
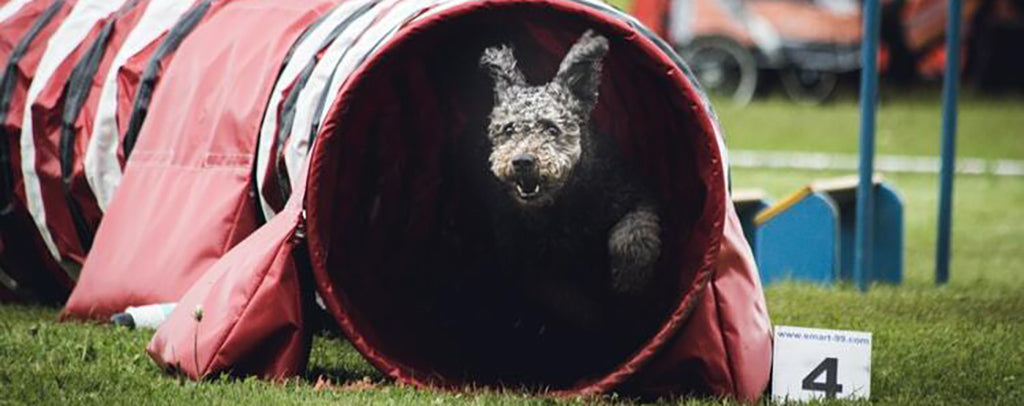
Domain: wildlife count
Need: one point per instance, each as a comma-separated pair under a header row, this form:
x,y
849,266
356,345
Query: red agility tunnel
x,y
71,74
361,246
298,146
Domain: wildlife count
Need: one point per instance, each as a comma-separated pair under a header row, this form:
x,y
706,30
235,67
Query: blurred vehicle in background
x,y
729,44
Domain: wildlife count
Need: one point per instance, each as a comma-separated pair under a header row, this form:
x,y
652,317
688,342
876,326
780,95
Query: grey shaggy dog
x,y
573,227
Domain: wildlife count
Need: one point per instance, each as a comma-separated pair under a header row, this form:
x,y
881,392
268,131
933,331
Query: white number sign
x,y
810,363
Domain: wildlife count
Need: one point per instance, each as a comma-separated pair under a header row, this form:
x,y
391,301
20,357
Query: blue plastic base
x,y
810,237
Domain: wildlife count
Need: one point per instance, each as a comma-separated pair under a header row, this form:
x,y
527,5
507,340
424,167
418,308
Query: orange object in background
x,y
924,33
809,22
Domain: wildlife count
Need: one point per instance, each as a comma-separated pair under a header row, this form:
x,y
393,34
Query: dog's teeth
x,y
524,192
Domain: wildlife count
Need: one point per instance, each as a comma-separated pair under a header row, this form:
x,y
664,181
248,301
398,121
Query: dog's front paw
x,y
634,246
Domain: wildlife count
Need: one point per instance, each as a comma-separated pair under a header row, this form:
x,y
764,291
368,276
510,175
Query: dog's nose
x,y
524,162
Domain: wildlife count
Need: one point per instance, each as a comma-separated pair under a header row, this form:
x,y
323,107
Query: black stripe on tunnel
x,y
76,92
7,85
255,188
144,94
287,113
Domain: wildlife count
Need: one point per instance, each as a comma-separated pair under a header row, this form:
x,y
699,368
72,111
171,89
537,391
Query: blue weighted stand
x,y
798,239
811,235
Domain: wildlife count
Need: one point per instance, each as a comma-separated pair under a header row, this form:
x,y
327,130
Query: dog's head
x,y
536,132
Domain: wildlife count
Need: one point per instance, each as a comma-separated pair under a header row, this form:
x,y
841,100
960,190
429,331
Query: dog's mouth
x,y
528,187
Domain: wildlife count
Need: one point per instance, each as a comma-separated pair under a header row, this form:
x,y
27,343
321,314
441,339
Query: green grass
x,y
958,344
907,125
45,362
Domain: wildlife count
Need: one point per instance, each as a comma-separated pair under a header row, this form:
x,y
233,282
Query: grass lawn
x,y
958,344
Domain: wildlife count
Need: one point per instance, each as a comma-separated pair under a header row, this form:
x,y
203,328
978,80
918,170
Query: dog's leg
x,y
634,246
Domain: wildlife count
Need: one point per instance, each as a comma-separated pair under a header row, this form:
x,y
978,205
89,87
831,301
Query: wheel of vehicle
x,y
723,67
808,86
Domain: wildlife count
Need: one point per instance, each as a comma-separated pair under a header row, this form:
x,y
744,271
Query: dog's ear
x,y
501,64
580,71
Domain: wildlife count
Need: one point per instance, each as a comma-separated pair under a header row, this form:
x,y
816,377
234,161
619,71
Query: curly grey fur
x,y
564,205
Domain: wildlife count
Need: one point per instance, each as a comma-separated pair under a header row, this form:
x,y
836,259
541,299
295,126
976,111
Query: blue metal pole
x,y
950,88
868,103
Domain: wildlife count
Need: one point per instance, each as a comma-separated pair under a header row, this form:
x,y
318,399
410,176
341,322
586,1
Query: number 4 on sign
x,y
812,363
831,386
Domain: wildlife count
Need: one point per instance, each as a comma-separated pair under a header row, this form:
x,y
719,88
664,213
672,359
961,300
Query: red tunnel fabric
x,y
64,201
341,113
26,255
104,119
64,113
64,223
252,311
200,166
299,92
38,155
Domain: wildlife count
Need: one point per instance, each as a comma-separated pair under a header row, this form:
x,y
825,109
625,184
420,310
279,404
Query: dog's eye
x,y
551,129
508,129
